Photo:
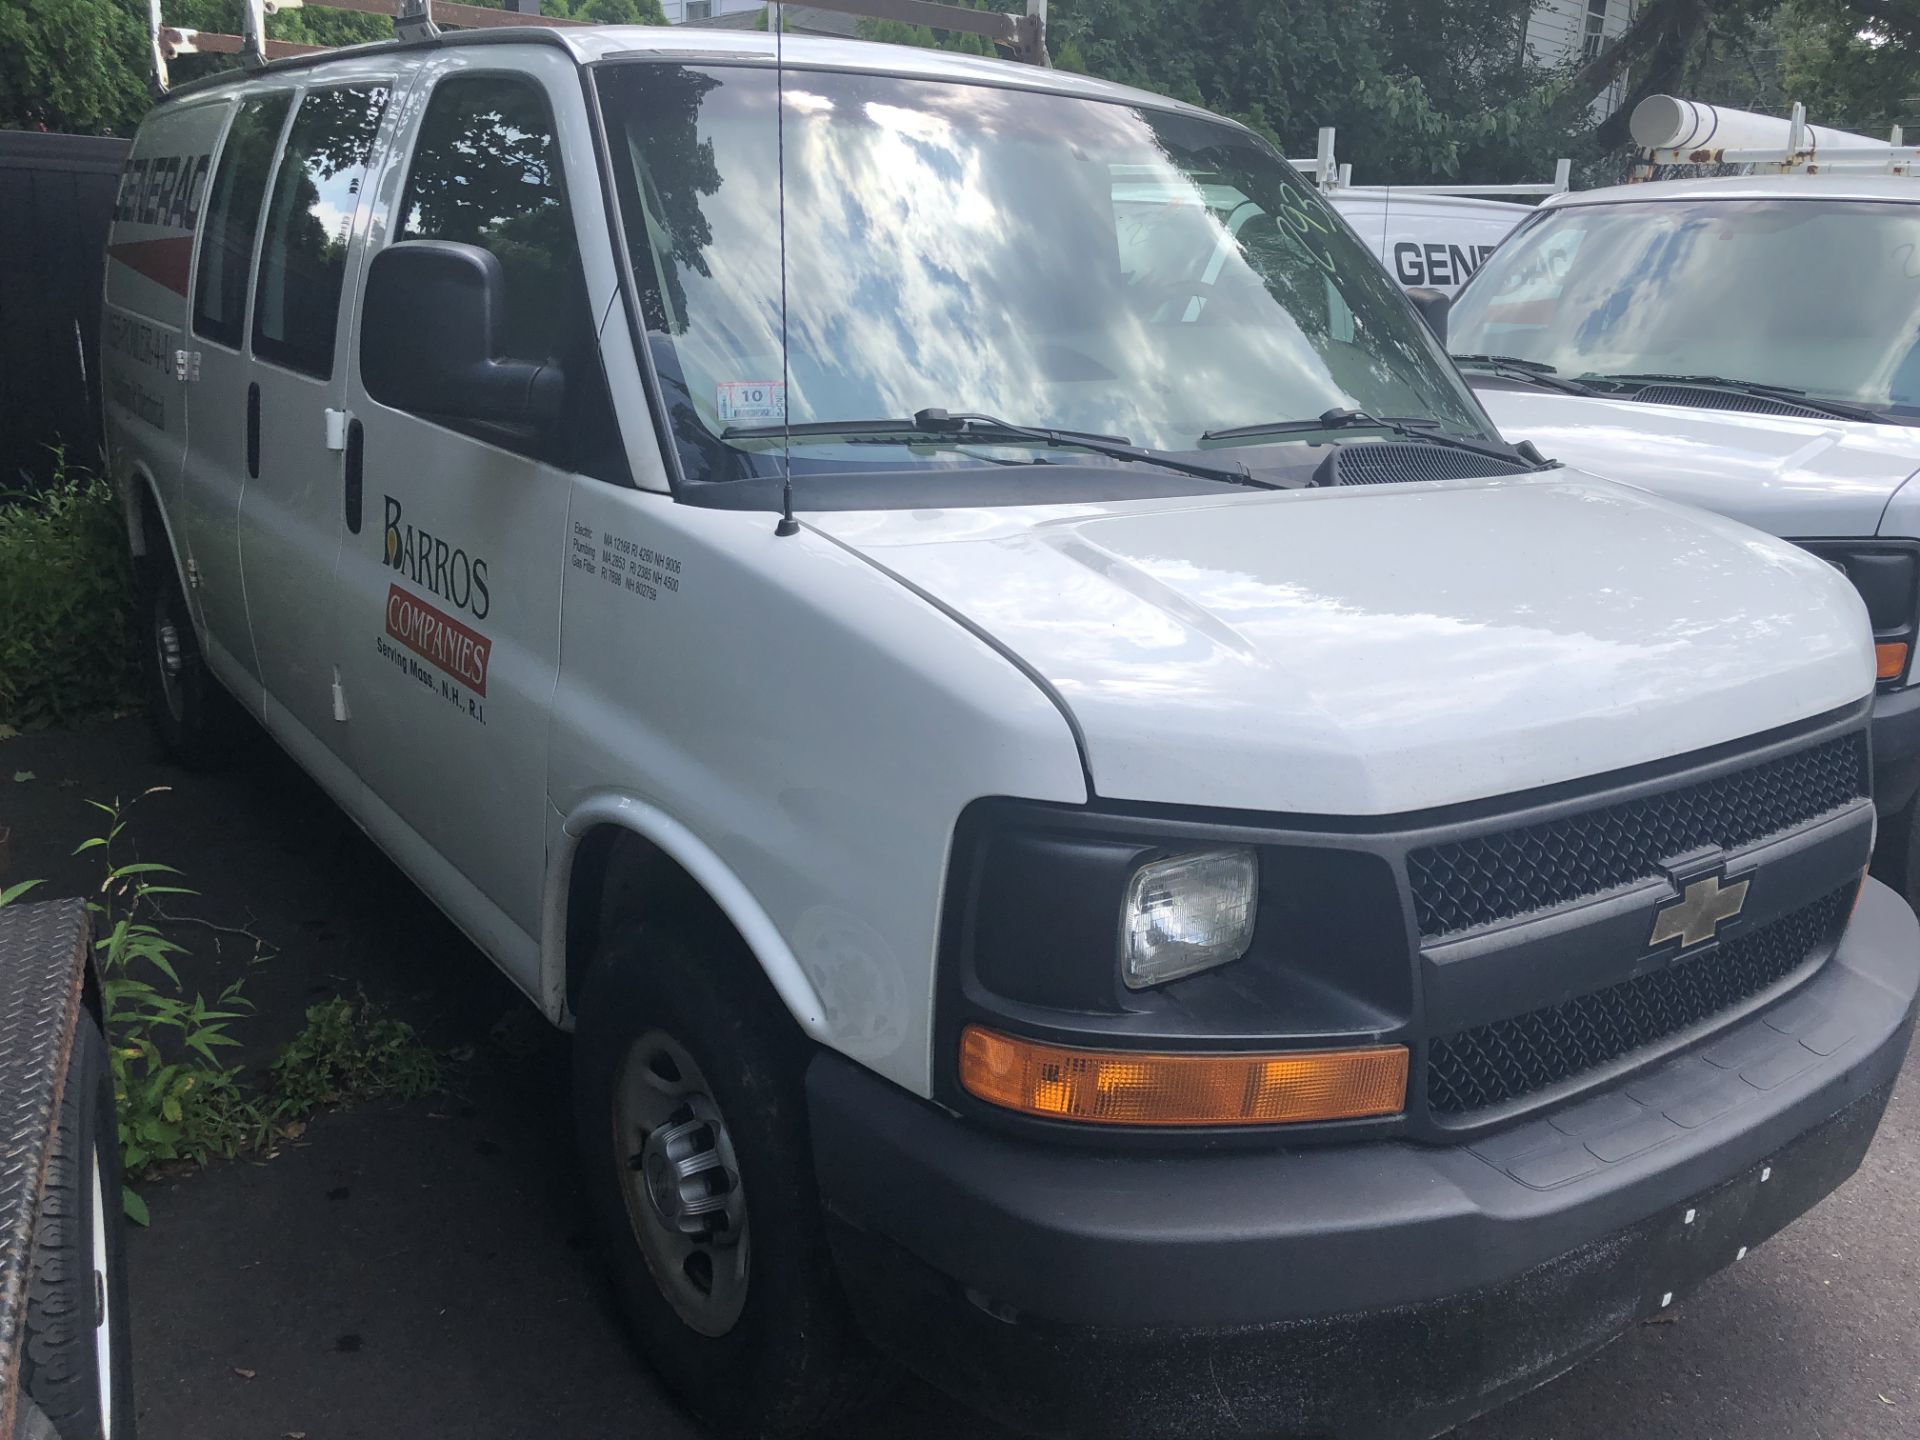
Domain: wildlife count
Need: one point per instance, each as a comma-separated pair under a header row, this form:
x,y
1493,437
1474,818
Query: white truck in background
x,y
1748,343
1433,237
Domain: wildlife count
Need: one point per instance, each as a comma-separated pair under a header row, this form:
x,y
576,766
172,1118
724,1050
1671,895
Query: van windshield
x,y
1815,296
1045,260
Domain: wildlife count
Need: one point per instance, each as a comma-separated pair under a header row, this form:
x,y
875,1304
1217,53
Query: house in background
x,y
1570,32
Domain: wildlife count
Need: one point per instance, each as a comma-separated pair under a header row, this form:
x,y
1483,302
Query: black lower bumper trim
x,y
1406,1373
1377,1288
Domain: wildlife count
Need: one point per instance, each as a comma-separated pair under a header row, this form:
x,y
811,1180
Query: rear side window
x,y
233,218
303,261
486,171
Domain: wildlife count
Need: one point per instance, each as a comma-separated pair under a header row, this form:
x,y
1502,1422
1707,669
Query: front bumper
x,y
1378,1289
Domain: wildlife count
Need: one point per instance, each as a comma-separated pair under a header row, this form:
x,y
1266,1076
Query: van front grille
x,y
1489,878
1490,1064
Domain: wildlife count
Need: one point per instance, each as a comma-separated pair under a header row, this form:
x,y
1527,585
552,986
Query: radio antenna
x,y
788,525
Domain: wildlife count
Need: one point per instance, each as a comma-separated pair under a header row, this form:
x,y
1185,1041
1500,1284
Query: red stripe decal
x,y
165,261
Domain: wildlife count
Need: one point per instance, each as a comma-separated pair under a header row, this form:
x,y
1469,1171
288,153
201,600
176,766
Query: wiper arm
x,y
1359,420
1532,372
969,429
1786,394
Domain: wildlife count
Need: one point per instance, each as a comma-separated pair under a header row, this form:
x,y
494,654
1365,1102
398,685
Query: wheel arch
x,y
146,514
619,858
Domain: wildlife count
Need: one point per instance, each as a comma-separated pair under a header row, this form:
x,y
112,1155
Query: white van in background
x,y
1438,242
1433,237
1746,343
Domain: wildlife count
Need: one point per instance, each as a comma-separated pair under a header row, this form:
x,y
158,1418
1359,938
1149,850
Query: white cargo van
x,y
1431,237
1179,886
1747,343
1436,242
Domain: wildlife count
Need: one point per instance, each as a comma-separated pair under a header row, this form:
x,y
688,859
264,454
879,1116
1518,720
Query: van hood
x,y
1387,649
1798,478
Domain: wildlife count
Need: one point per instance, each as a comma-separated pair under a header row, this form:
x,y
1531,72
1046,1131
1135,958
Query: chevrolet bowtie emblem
x,y
1694,917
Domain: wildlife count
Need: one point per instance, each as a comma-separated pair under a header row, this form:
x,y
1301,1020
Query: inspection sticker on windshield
x,y
751,402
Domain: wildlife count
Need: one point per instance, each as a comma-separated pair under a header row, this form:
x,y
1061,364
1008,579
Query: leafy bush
x,y
348,1053
177,1103
66,588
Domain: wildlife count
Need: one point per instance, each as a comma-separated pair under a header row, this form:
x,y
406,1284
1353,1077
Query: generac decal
x,y
438,638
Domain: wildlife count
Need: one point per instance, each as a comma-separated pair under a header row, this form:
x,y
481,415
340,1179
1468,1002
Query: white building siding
x,y
1566,32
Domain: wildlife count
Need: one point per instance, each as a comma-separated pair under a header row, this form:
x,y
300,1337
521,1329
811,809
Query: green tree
x,y
81,65
1855,64
898,32
74,65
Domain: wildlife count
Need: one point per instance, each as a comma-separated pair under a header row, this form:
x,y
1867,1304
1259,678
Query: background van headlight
x,y
1188,913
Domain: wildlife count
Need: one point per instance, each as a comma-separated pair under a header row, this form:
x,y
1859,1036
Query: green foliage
x,y
178,1102
74,65
606,12
898,32
1855,66
66,587
348,1053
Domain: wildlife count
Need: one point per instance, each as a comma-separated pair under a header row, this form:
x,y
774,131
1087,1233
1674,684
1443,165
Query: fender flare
x,y
727,891
135,484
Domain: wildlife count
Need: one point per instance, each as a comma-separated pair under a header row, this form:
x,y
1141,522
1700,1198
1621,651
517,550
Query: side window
x,y
486,171
233,218
303,261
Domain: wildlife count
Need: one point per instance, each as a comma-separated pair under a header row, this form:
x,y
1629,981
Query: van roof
x,y
588,44
1863,186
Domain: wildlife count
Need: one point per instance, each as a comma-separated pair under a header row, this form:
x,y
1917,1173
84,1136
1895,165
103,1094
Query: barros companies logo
x,y
434,564
438,638
456,577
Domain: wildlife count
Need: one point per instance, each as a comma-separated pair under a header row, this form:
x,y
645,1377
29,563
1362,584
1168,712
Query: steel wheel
x,y
681,1183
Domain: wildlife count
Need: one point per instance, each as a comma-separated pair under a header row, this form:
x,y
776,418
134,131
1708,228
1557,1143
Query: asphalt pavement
x,y
426,1270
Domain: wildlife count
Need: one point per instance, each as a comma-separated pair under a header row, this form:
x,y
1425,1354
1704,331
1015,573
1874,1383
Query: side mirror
x,y
427,338
1433,306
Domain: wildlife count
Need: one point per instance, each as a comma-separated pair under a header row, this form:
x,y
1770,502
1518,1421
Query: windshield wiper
x,y
1785,394
1359,420
1529,372
969,429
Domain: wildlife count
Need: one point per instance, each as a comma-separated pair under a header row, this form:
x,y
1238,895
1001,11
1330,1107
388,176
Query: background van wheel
x,y
197,721
76,1365
692,1128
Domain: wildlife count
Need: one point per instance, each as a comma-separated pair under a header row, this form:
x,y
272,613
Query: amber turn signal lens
x,y
1890,659
1124,1087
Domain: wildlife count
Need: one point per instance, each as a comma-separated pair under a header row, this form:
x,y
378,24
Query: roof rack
x,y
1023,35
1671,131
1331,176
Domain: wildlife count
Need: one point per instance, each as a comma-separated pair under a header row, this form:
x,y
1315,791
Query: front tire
x,y
197,721
76,1365
691,1121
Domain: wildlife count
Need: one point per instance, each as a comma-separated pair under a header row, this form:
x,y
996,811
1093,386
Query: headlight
x,y
1188,913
